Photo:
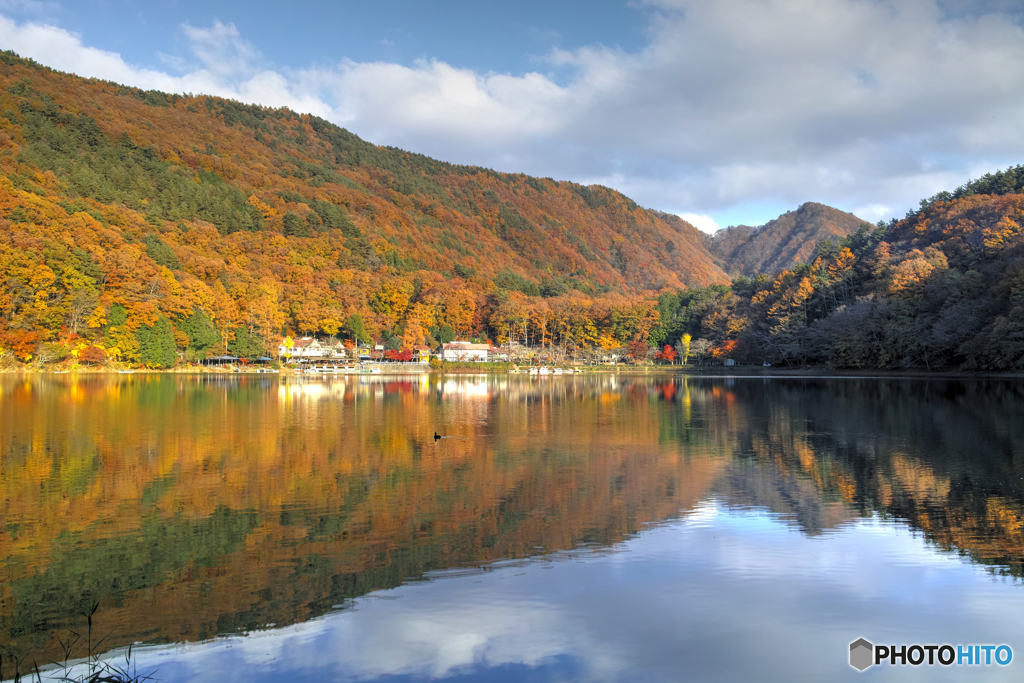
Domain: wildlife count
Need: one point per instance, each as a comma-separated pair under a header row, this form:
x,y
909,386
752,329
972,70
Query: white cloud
x,y
64,51
701,222
874,212
855,103
435,99
686,595
229,65
222,50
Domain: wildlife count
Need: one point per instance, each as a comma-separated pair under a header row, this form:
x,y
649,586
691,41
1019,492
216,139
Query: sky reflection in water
x,y
726,594
661,529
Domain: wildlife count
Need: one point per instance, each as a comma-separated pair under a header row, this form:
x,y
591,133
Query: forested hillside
x,y
153,229
146,227
942,288
790,239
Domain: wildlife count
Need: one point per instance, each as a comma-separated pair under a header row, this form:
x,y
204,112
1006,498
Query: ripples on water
x,y
571,528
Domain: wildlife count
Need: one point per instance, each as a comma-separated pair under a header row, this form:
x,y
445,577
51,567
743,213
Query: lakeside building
x,y
311,348
465,351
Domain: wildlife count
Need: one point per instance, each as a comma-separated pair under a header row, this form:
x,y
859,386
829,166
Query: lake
x,y
572,528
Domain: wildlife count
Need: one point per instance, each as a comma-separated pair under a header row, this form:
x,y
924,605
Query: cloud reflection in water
x,y
723,594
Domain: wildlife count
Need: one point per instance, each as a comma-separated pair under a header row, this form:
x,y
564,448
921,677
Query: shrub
x,y
92,355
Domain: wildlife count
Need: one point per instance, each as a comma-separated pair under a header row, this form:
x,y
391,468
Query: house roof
x,y
466,346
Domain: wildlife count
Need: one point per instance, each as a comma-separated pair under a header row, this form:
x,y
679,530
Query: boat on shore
x,y
545,370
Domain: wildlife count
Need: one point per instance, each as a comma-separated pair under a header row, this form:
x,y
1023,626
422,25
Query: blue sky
x,y
726,112
484,36
721,594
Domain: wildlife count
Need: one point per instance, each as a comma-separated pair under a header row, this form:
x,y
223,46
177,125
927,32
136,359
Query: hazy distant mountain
x,y
781,243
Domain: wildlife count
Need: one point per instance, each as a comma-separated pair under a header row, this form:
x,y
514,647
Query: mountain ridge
x,y
132,216
152,229
236,142
782,242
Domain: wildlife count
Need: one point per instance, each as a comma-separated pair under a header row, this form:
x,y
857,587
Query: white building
x,y
464,351
310,348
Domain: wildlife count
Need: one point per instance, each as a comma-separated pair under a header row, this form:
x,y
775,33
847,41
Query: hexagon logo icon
x,y
861,654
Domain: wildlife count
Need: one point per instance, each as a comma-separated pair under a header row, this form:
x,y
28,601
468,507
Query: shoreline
x,y
735,372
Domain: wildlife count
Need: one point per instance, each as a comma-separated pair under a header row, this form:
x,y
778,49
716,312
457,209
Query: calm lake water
x,y
590,528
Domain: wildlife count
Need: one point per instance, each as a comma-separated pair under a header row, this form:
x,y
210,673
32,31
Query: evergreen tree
x,y
117,316
246,344
161,253
445,334
294,226
357,328
201,332
156,344
313,223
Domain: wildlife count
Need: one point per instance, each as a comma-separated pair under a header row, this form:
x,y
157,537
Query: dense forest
x,y
149,228
941,288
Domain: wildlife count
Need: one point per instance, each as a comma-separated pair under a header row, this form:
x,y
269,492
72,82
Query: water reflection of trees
x,y
190,507
946,456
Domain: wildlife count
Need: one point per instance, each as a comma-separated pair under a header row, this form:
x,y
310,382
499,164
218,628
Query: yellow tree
x,y
540,318
391,301
420,318
574,322
912,273
458,309
510,318
634,321
684,347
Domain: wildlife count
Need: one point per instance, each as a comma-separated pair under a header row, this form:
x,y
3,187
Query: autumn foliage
x,y
92,355
398,356
161,228
162,207
939,289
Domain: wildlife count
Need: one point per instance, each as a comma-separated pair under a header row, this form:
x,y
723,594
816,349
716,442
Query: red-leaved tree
x,y
667,353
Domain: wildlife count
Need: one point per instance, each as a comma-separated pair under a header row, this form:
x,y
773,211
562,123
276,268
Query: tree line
x,y
154,229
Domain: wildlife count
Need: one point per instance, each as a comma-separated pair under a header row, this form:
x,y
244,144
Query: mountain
x,y
942,288
780,244
151,228
130,210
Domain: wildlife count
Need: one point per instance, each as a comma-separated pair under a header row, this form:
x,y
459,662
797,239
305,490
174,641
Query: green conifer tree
x,y
201,332
156,344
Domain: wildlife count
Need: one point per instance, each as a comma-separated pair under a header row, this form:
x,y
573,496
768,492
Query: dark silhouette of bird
x,y
436,436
